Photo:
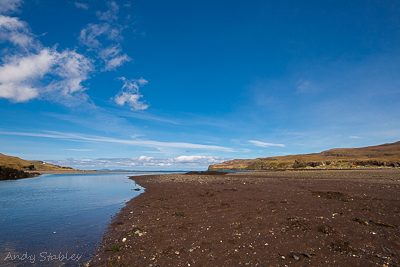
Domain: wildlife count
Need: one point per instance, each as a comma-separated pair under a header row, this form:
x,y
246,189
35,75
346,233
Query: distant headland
x,y
381,156
13,168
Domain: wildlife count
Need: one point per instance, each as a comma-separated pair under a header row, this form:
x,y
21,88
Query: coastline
x,y
258,219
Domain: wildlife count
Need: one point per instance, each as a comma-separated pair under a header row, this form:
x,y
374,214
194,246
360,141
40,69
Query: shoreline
x,y
38,173
258,219
85,171
227,171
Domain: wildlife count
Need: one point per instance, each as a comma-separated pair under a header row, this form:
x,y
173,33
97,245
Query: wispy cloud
x,y
15,31
144,116
112,57
89,35
142,161
263,144
136,142
10,6
111,14
117,61
88,115
354,137
303,86
82,5
110,54
72,68
79,149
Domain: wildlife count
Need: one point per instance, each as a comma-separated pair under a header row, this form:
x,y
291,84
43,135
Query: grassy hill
x,y
20,164
387,155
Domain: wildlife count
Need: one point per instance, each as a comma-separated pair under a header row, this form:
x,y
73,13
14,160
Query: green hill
x,y
386,155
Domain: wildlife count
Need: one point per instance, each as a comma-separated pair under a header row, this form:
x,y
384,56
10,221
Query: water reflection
x,y
55,220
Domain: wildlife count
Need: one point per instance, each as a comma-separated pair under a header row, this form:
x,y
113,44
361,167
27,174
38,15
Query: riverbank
x,y
14,174
83,171
347,218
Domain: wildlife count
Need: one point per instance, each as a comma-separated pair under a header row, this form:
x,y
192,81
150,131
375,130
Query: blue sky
x,y
167,85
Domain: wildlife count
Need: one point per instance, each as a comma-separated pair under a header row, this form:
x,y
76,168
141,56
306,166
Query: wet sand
x,y
313,218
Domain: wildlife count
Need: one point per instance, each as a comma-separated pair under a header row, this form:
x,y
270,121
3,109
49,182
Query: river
x,y
58,219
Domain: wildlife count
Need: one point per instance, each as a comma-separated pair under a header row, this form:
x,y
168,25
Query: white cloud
x,y
354,137
19,93
130,95
10,6
130,99
19,76
82,5
142,161
110,14
197,159
15,31
22,68
263,144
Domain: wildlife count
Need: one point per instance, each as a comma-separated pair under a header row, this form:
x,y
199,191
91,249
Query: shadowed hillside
x,y
387,155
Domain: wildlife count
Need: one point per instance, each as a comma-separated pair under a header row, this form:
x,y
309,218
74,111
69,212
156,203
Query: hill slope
x,y
20,164
386,155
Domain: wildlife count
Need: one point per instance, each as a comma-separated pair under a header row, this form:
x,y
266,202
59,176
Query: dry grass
x,y
387,155
20,164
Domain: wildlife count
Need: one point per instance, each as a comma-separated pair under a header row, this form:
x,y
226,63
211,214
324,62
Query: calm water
x,y
45,220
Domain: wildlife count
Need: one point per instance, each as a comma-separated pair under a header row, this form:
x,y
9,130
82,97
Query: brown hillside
x,y
386,155
20,164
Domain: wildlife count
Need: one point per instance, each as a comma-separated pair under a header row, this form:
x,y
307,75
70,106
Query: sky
x,y
180,85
